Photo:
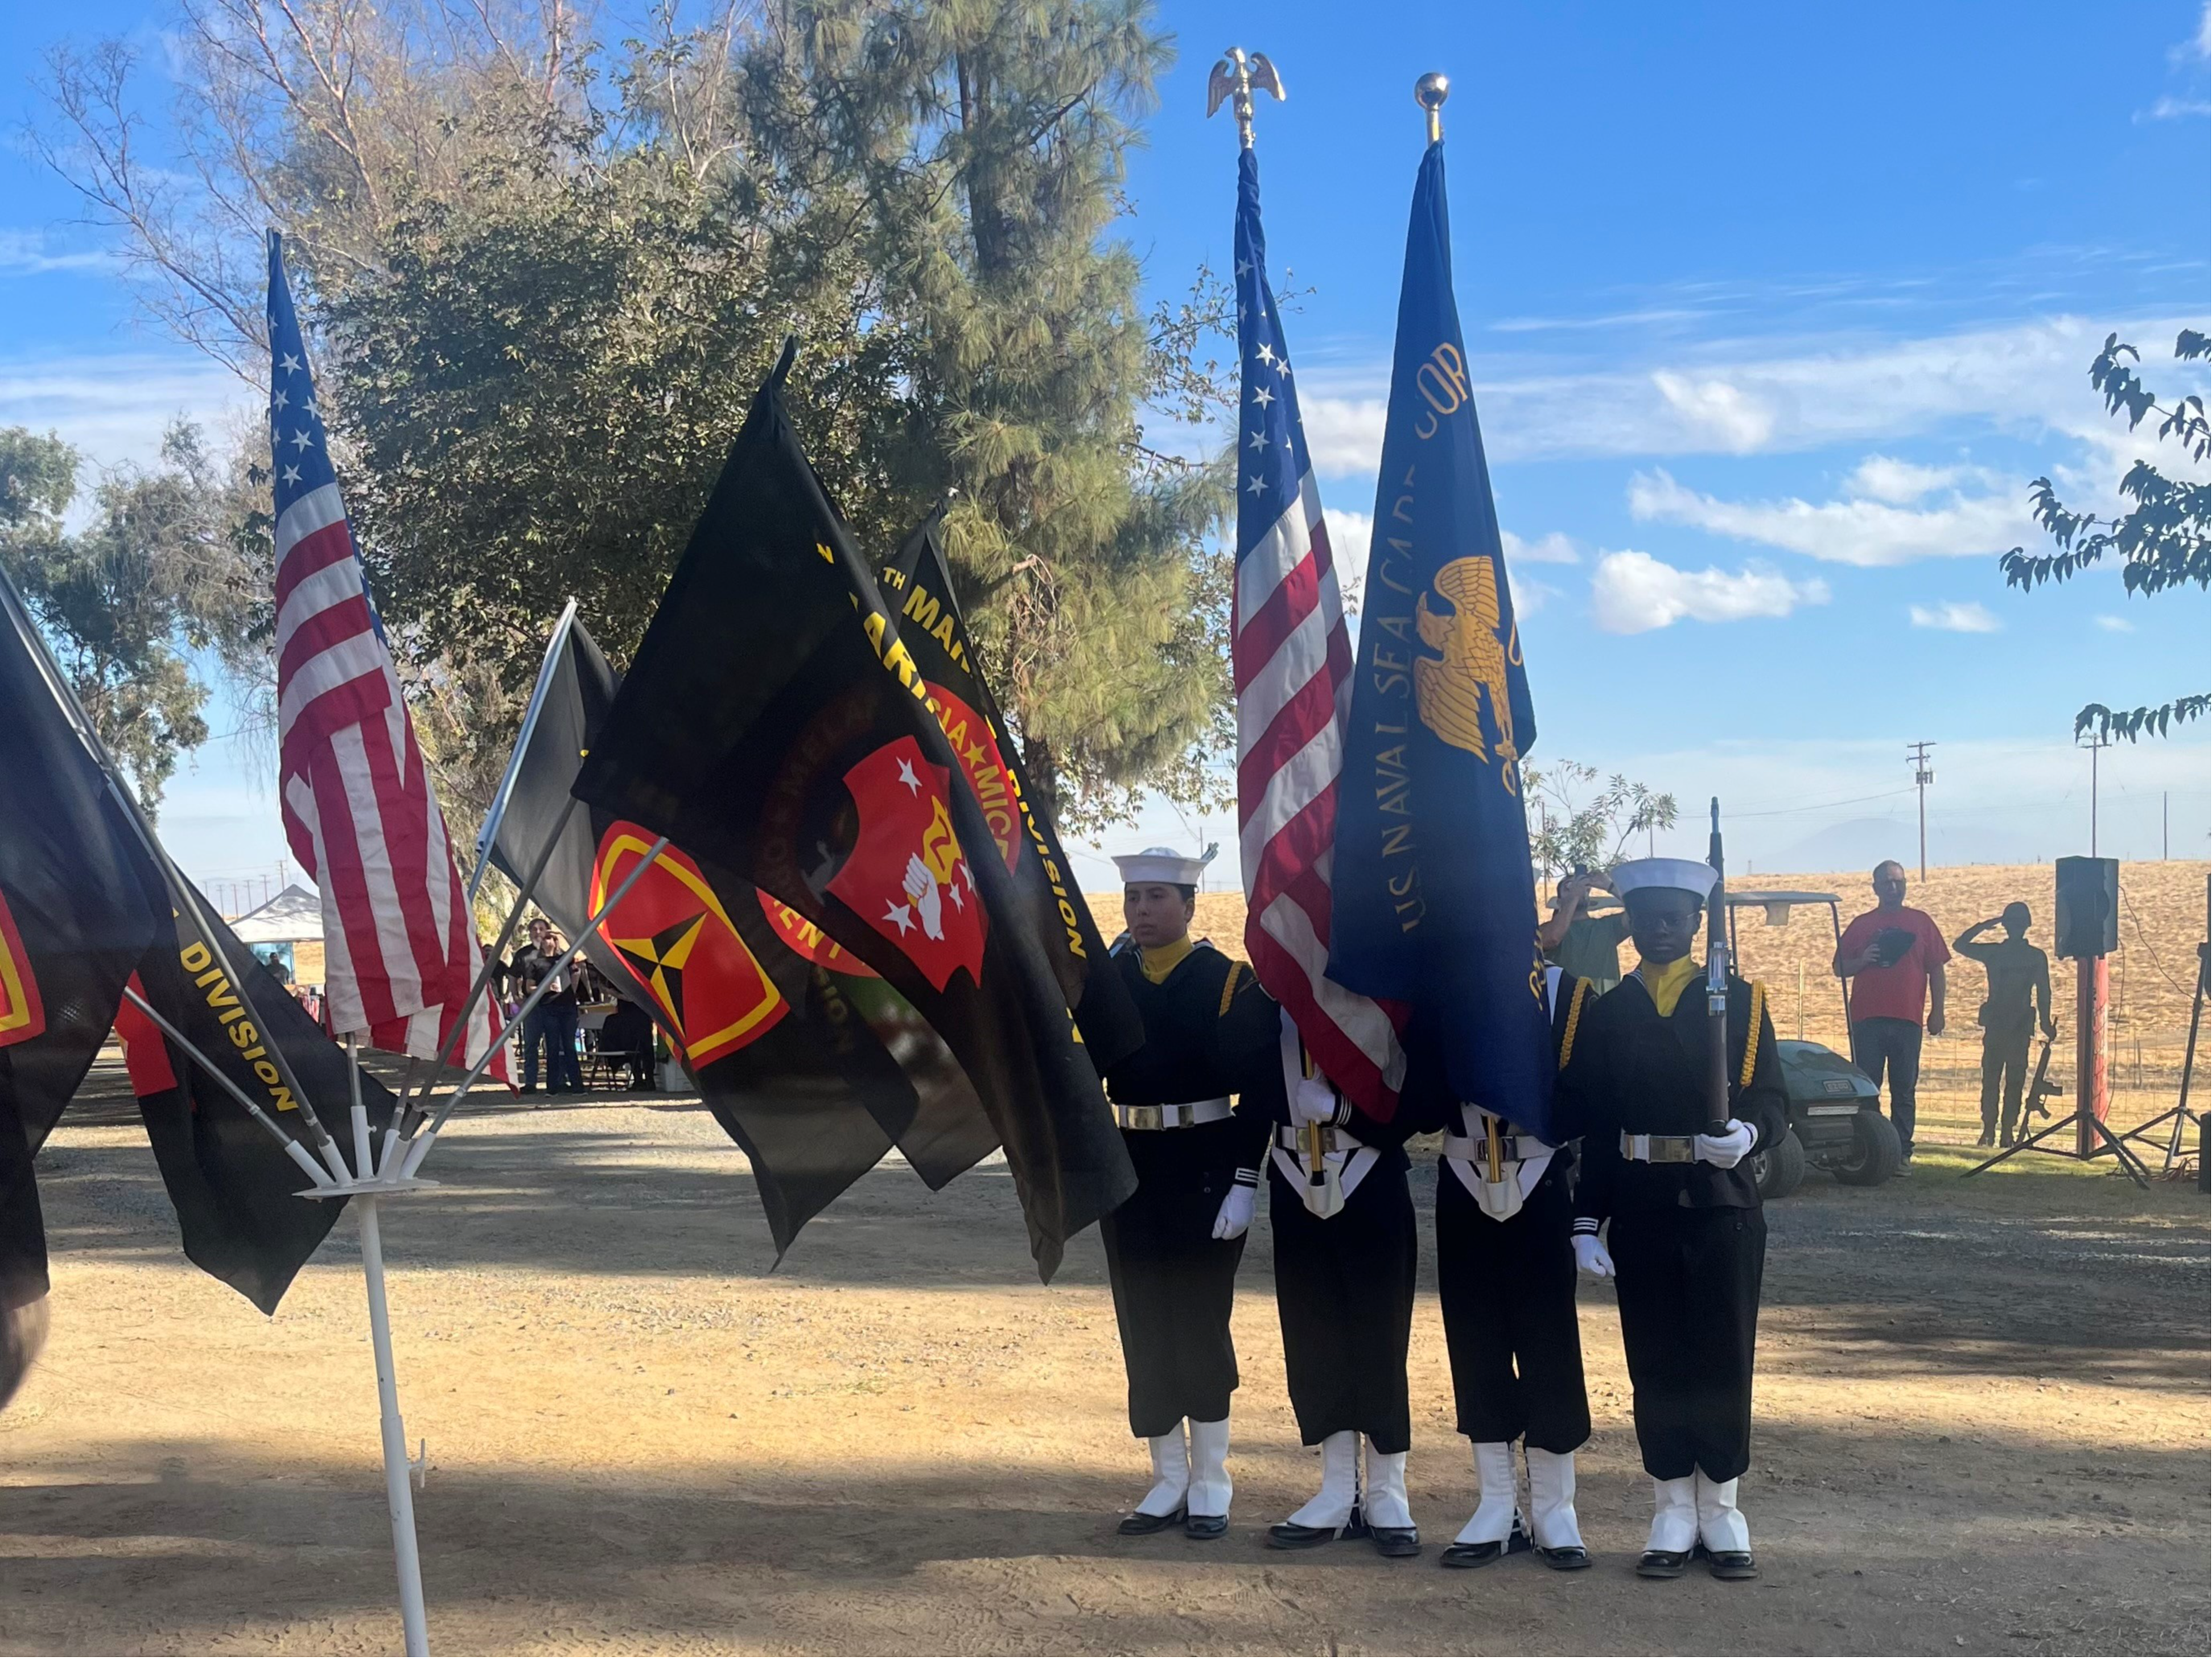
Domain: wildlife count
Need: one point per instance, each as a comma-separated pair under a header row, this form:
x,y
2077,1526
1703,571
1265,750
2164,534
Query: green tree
x,y
2162,542
1575,826
124,601
548,272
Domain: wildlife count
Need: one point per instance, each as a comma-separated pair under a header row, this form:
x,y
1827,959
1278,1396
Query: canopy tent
x,y
293,921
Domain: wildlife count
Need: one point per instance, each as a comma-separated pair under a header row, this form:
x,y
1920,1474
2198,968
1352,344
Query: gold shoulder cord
x,y
1751,1035
1574,1019
1229,989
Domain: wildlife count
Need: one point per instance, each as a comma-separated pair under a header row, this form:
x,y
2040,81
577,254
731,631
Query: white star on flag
x,y
1266,353
290,363
291,475
302,440
1262,396
1259,439
901,916
1255,485
906,776
281,398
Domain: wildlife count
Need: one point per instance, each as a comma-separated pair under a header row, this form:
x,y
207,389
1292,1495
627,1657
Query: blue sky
x,y
1774,313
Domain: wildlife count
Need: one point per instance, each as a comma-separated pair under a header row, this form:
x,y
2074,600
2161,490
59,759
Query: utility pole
x,y
1924,774
2095,744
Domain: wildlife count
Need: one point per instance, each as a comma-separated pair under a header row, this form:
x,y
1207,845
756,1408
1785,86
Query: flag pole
x,y
419,1146
293,1148
398,1472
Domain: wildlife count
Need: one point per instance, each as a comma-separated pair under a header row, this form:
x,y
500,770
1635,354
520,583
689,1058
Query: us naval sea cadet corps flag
x,y
359,811
1435,894
1292,660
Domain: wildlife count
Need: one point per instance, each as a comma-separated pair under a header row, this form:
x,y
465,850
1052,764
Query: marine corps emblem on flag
x,y
906,875
675,939
22,1016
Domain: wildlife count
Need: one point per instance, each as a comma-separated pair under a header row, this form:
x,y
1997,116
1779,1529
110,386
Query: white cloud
x,y
115,407
2174,109
2116,624
1733,418
1633,592
1621,320
32,253
1901,483
1349,534
1552,549
1954,618
1733,398
1857,531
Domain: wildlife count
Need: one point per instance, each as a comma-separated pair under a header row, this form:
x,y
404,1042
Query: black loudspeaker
x,y
2088,907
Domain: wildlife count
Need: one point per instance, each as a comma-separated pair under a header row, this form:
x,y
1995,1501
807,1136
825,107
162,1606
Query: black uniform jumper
x,y
1507,1286
1344,1285
1688,1241
1209,1029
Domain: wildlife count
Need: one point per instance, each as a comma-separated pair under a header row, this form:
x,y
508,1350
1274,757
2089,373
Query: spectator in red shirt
x,y
1892,958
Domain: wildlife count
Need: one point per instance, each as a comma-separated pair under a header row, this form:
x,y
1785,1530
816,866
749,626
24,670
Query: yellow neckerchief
x,y
1667,983
1157,964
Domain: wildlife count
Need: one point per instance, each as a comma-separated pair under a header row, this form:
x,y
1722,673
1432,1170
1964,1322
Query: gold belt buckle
x,y
1145,1116
1672,1148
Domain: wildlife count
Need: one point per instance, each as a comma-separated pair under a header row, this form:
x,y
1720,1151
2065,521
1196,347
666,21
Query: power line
x,y
1922,776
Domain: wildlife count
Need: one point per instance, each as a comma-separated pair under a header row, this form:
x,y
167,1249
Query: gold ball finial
x,y
1429,93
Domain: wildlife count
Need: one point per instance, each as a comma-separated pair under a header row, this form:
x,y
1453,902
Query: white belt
x,y
1659,1148
1293,1141
1186,1115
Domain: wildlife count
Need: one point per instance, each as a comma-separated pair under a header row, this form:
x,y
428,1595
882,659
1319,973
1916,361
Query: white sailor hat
x,y
1163,864
1674,874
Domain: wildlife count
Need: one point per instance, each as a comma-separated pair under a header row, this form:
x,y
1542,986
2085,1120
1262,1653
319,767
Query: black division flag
x,y
74,920
918,584
811,1062
776,726
234,1189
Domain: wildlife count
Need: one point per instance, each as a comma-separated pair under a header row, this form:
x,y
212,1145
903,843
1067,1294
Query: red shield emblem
x,y
908,877
988,774
671,933
23,1015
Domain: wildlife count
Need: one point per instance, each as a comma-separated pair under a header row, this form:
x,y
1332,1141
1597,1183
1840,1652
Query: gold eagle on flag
x,y
1450,690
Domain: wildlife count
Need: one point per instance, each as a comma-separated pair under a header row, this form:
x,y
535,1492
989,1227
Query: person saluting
x,y
1172,1249
1686,1240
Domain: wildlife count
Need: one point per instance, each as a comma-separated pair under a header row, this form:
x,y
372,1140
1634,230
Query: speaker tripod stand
x,y
2092,1139
2178,1114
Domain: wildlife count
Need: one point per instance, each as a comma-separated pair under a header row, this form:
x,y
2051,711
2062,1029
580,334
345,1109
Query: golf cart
x,y
1835,1110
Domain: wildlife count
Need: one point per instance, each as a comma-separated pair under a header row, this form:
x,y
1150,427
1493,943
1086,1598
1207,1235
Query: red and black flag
x,y
807,1059
75,919
776,725
918,584
233,1188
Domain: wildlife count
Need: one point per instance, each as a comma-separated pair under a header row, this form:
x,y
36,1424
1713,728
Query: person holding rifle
x,y
2019,999
1674,1083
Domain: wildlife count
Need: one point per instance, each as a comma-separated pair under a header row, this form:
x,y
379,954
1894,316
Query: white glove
x,y
1726,1151
1313,1101
1236,1213
1590,1256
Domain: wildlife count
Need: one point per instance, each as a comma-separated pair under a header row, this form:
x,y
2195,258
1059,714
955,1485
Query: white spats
x,y
1493,1515
1384,1505
1333,1504
1170,1473
1209,1469
1673,1515
1721,1525
1552,1500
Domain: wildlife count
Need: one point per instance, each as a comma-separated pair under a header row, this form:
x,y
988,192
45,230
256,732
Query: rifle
x,y
2041,1089
1716,987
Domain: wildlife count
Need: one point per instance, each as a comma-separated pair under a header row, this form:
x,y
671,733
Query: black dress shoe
x,y
1395,1542
1289,1534
1729,1565
1662,1563
1467,1556
1205,1526
1573,1558
1142,1524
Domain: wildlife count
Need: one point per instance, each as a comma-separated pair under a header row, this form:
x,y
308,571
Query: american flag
x,y
358,807
1293,667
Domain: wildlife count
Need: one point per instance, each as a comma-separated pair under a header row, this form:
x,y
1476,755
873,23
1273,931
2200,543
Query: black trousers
x,y
2004,1065
1688,1280
1343,1290
1508,1289
1174,1281
1892,1046
23,1226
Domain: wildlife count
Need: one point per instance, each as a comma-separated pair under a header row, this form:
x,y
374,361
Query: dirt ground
x,y
1981,1427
